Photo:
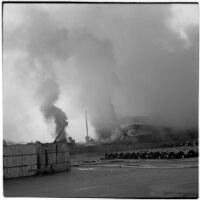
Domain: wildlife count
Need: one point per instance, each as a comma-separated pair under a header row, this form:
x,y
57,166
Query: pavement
x,y
113,179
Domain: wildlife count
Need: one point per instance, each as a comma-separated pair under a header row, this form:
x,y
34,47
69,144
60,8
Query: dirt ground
x,y
116,179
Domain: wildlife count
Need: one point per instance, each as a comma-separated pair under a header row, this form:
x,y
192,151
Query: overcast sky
x,y
111,60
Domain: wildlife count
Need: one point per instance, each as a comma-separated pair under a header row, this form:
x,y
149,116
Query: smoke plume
x,y
49,90
42,46
112,61
95,62
48,47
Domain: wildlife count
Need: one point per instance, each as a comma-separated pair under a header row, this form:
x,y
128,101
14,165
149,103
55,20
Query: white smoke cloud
x,y
111,60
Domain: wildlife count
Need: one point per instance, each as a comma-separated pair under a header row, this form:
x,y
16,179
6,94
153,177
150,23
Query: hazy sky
x,y
111,60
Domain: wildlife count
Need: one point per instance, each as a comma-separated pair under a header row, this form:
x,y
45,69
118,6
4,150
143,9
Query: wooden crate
x,y
60,157
11,150
28,149
60,167
62,147
67,156
16,161
26,160
12,161
29,159
41,158
29,170
52,158
52,148
12,172
21,171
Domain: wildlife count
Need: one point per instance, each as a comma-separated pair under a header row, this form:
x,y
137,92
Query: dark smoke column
x,y
49,92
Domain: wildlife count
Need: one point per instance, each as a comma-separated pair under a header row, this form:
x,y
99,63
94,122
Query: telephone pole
x,y
86,123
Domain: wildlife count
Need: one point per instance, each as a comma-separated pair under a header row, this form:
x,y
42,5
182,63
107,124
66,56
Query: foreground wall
x,y
19,160
31,159
53,156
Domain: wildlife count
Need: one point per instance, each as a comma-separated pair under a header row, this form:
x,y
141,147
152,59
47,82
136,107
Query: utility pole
x,y
86,123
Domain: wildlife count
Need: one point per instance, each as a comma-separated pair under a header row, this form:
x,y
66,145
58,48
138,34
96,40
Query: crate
x,y
27,160
60,167
52,158
12,150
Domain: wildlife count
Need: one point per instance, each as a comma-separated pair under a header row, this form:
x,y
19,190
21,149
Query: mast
x,y
86,123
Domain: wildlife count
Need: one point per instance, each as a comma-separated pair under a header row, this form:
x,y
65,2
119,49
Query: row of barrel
x,y
152,155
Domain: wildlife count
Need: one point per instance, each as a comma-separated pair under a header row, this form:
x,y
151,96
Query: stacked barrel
x,y
162,154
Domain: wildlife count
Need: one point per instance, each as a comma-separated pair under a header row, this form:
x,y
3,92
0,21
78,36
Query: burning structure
x,y
134,133
138,129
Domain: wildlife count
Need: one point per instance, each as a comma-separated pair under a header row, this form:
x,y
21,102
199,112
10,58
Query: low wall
x,y
54,156
19,160
29,159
